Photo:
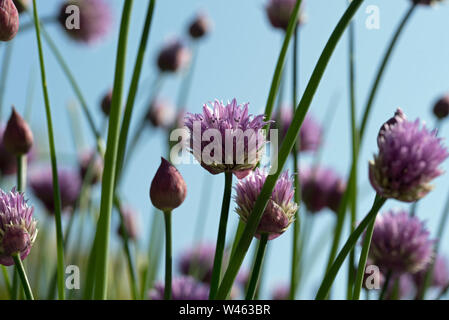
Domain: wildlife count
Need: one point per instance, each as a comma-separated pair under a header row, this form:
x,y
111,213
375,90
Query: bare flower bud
x,y
18,138
9,20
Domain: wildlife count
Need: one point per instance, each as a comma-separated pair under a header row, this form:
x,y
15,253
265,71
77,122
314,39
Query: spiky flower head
x,y
280,210
441,107
94,22
440,275
41,183
9,20
408,159
174,56
321,188
183,288
17,227
161,113
226,138
400,243
279,12
310,134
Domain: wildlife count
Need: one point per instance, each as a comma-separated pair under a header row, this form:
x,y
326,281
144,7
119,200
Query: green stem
x,y
221,238
286,148
154,252
133,89
23,277
15,284
349,245
384,290
7,281
110,160
168,256
5,71
257,267
203,207
21,173
54,165
362,260
382,68
281,60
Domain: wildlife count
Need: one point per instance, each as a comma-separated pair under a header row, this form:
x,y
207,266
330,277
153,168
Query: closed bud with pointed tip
x,y
17,138
9,20
168,188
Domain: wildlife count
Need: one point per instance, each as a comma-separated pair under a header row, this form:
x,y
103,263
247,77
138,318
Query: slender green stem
x,y
7,281
238,234
257,267
168,256
15,284
110,161
221,238
281,60
385,286
362,261
203,207
23,277
286,148
382,68
5,71
133,89
413,208
21,173
54,165
349,245
154,252
297,194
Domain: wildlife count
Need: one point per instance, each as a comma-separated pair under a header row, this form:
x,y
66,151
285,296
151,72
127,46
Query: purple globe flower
x,y
321,188
95,19
198,262
161,114
131,223
41,182
17,227
174,56
400,243
281,292
310,134
440,274
235,143
280,210
183,288
279,12
408,160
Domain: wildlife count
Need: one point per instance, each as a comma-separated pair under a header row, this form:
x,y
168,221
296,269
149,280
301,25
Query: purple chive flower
x,y
441,107
281,292
41,182
198,262
95,19
400,286
440,274
9,20
174,56
90,166
232,124
183,288
310,135
408,159
321,188
281,209
400,243
17,227
161,114
131,223
279,12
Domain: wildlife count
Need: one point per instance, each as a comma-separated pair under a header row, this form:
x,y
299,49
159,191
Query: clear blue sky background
x,y
238,60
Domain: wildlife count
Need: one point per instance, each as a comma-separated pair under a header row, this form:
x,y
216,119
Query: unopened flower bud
x,y
168,188
161,114
18,138
106,103
441,108
200,26
9,20
174,56
91,167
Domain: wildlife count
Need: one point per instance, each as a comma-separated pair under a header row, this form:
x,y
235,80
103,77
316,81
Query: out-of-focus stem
x,y
168,256
257,267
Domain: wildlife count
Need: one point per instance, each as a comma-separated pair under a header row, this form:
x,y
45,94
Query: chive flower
x,y
280,210
400,243
130,223
17,227
95,19
235,139
440,275
161,114
9,20
408,159
174,56
18,137
90,166
200,26
279,12
441,107
183,288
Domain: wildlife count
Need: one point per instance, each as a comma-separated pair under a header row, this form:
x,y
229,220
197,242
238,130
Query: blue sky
x,y
238,60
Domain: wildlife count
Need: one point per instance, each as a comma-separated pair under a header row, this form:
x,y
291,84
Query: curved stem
x,y
110,160
54,166
286,148
349,245
257,267
221,237
23,277
168,256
